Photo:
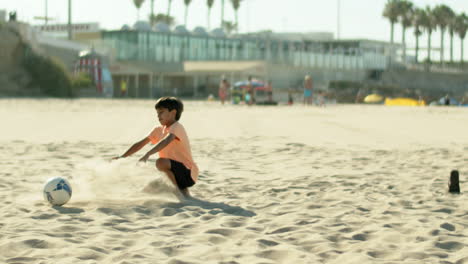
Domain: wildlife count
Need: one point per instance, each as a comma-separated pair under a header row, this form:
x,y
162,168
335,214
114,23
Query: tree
x,y
451,30
187,3
209,4
442,14
222,13
169,3
152,12
461,27
430,25
419,20
391,11
138,4
236,6
162,18
406,17
229,27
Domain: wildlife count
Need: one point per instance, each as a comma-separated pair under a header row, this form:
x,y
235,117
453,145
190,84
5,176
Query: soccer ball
x,y
57,191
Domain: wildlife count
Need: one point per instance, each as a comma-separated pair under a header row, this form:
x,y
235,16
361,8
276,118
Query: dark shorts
x,y
182,175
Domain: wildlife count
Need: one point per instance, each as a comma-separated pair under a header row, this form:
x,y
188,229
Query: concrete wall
x,y
456,84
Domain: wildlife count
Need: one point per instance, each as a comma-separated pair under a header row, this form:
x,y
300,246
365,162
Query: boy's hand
x,y
144,158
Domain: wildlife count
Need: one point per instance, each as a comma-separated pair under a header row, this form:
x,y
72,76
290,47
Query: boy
x,y
175,157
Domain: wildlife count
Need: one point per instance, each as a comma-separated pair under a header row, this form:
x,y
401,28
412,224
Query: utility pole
x,y
69,20
46,18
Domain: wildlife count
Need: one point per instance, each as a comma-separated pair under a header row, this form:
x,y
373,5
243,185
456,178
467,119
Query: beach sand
x,y
339,184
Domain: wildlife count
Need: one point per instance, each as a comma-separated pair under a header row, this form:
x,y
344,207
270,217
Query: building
x,y
156,62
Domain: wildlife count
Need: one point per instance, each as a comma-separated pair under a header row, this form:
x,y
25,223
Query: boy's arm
x,y
135,147
160,145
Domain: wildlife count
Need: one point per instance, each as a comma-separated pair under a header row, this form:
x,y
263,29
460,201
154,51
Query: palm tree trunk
x,y
208,18
451,48
442,46
417,48
429,47
186,15
237,22
392,26
169,9
462,50
152,14
222,13
403,40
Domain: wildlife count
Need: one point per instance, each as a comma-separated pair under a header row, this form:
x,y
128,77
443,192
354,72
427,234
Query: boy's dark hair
x,y
171,103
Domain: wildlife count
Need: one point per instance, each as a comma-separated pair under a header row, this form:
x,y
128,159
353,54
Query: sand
x,y
340,184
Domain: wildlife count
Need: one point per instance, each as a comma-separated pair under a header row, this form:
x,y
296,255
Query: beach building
x,y
190,63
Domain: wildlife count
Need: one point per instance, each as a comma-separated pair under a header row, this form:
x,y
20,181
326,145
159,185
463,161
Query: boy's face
x,y
166,117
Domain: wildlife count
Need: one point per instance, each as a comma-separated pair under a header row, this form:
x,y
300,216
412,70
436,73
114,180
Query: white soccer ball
x,y
57,191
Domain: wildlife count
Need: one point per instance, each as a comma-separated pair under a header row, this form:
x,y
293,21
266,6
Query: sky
x,y
358,18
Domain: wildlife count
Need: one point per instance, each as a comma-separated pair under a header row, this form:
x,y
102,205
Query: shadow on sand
x,y
212,207
68,210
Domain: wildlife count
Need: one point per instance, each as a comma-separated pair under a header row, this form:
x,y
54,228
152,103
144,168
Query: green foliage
x,y
392,10
82,80
48,74
138,3
169,20
229,27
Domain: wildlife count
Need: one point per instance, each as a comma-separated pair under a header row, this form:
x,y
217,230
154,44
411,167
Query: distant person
x,y
172,144
123,88
250,91
308,86
359,96
290,97
223,90
269,89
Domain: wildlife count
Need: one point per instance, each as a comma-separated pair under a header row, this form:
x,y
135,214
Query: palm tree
x,y
430,25
419,20
461,28
152,13
162,18
187,3
442,15
406,16
236,6
169,3
222,13
229,27
138,4
391,11
451,29
209,3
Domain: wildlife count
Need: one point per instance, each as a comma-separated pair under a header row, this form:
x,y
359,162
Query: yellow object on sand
x,y
404,102
373,99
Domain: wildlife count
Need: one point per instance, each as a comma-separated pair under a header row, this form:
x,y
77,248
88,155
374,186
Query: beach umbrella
x,y
255,84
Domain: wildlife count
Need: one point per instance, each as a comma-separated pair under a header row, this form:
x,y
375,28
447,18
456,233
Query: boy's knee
x,y
163,164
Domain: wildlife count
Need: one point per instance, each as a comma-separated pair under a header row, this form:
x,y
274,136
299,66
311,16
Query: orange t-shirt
x,y
179,149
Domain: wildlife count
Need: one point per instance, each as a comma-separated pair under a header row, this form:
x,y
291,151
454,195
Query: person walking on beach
x,y
250,91
123,88
223,90
308,86
172,144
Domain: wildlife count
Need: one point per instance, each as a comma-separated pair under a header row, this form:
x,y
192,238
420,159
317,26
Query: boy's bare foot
x,y
185,192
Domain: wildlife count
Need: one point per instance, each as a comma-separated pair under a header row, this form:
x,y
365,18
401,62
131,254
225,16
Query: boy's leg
x,y
164,165
185,192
